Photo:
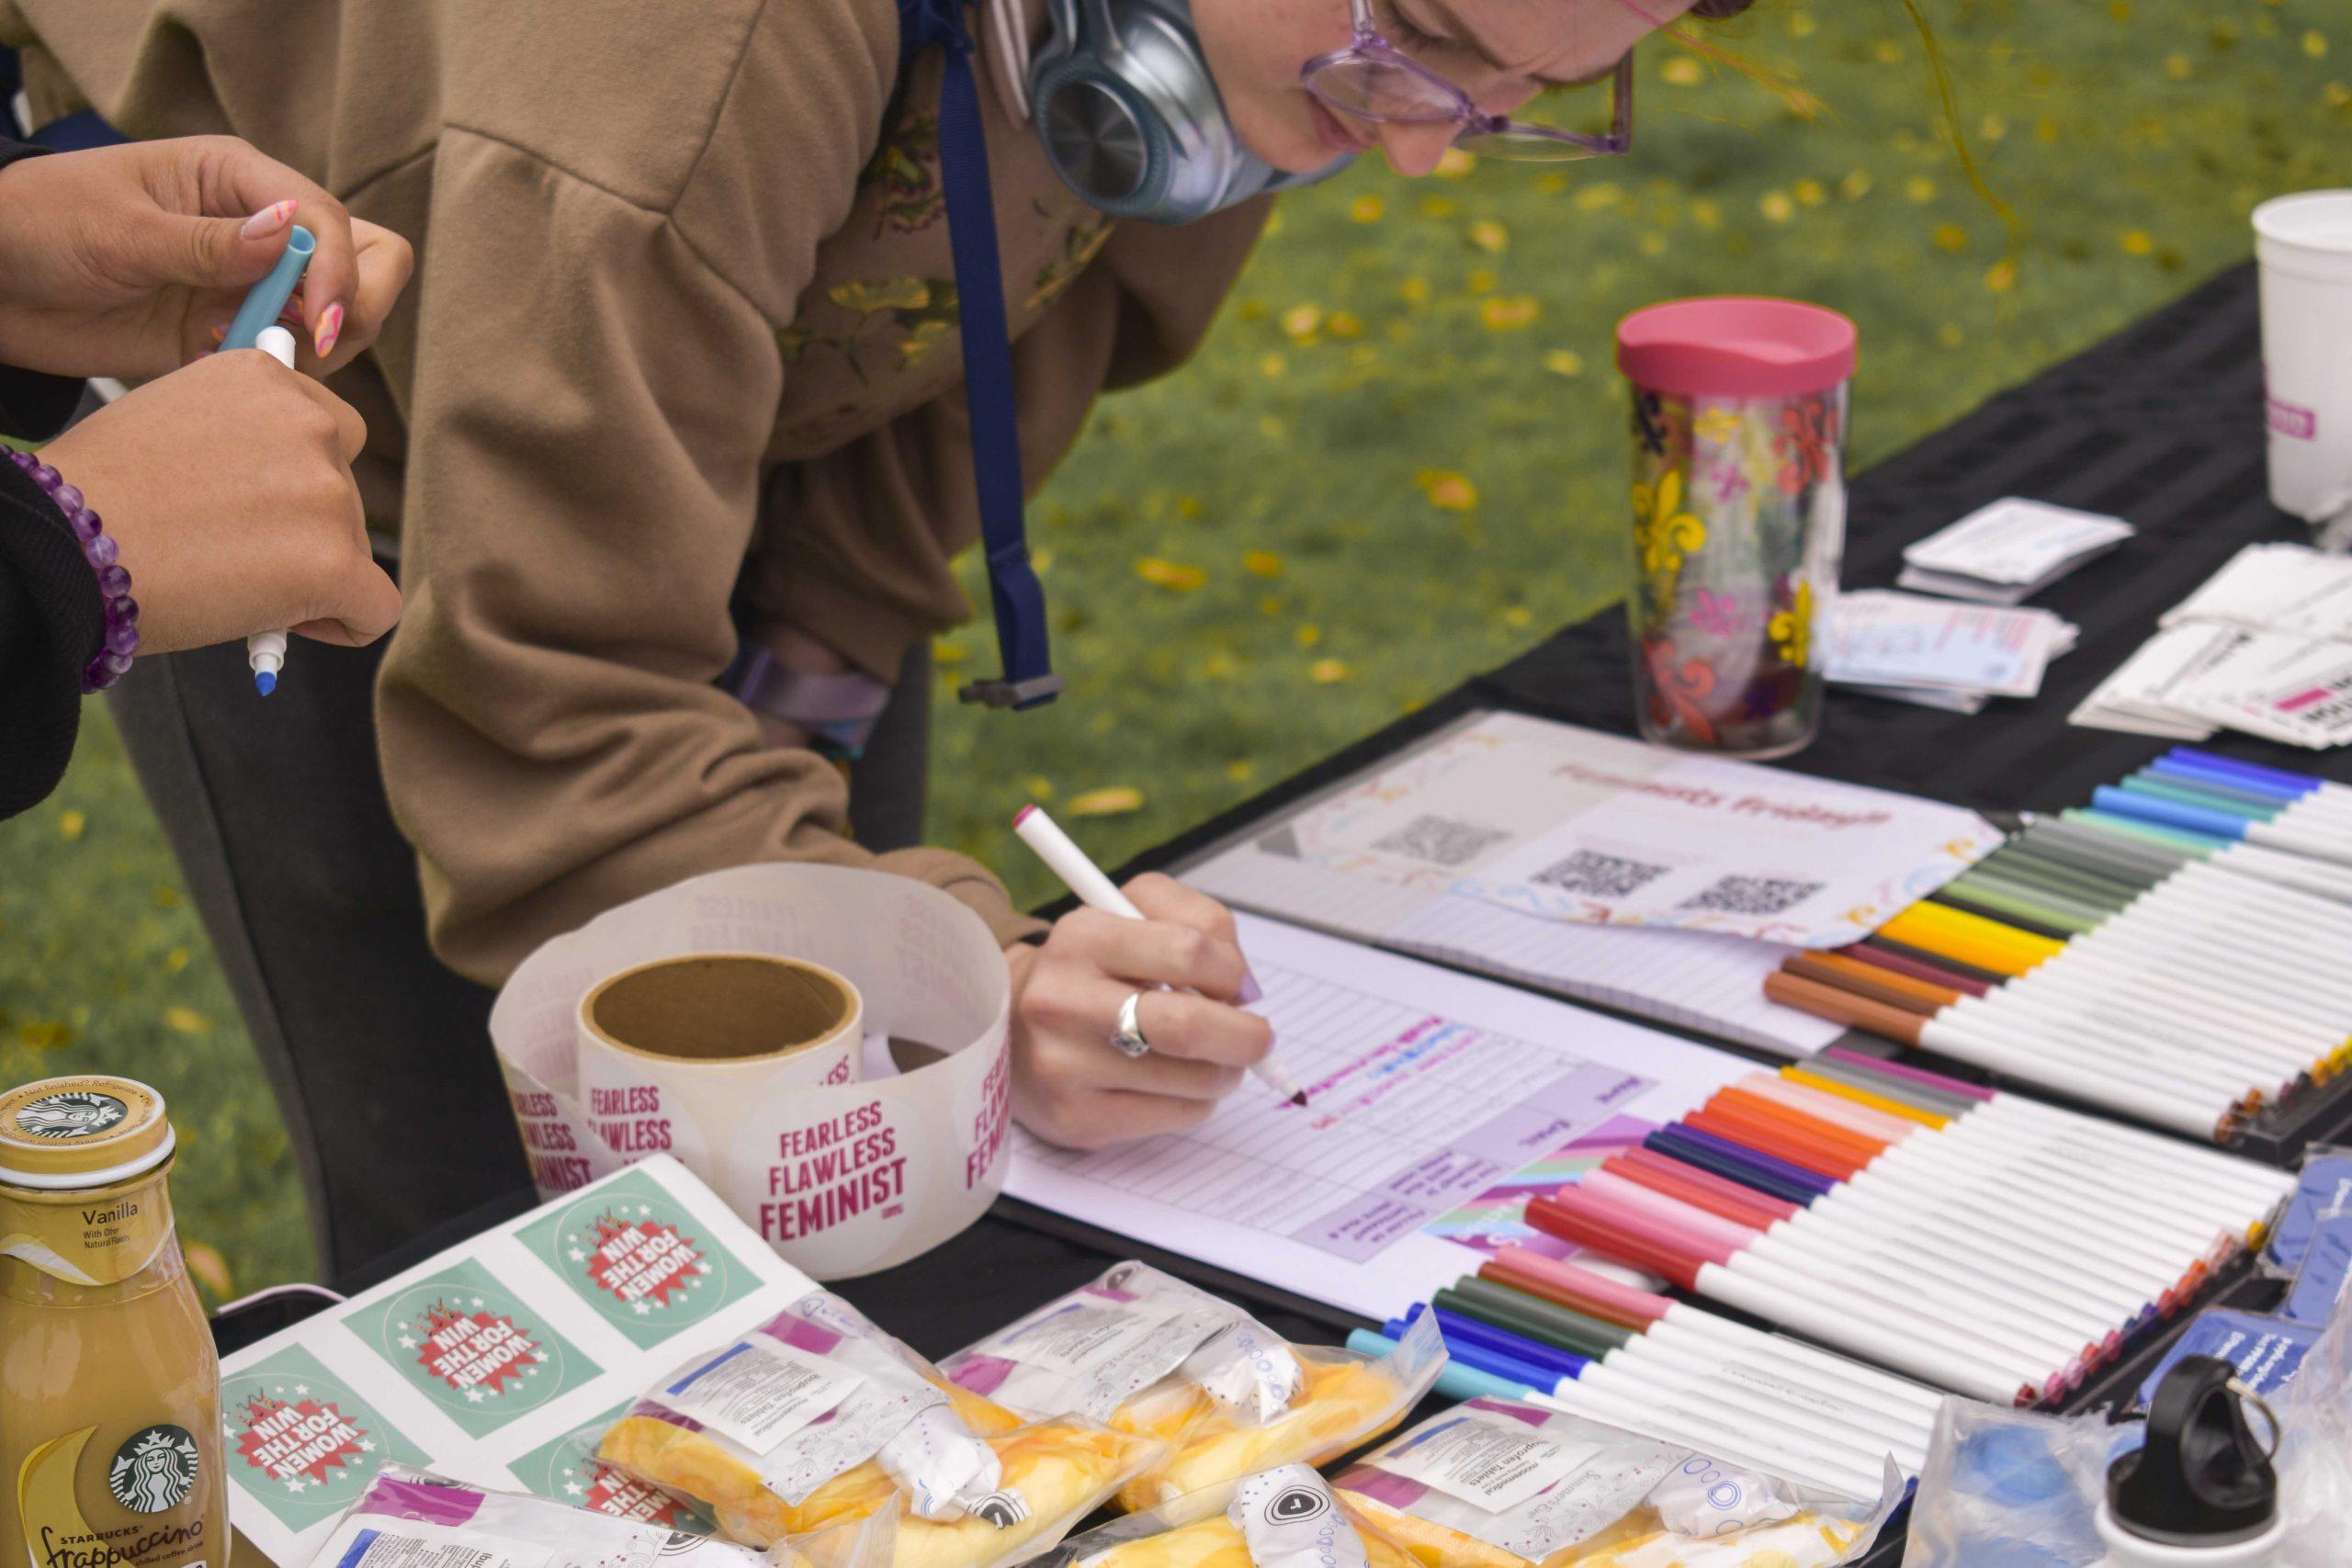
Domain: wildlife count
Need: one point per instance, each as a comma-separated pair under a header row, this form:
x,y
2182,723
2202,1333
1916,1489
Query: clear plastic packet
x,y
818,1418
2323,1186
412,1518
1283,1517
1496,1483
1159,1359
2013,1489
2314,1459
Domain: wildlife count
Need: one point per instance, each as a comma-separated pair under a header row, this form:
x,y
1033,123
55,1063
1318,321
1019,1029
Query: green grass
x,y
1307,587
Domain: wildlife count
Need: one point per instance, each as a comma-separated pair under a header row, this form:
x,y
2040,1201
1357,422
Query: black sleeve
x,y
53,623
32,406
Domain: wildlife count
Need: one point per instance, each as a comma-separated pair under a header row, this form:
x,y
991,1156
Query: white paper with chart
x,y
1407,855
1438,1103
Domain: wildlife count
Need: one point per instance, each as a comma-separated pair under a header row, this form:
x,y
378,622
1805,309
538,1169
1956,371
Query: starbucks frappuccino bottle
x,y
109,1388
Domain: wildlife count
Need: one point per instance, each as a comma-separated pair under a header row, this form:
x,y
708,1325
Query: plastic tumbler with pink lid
x,y
1740,516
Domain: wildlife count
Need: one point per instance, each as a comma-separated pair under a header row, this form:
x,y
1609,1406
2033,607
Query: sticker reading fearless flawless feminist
x,y
471,1345
633,1253
300,1443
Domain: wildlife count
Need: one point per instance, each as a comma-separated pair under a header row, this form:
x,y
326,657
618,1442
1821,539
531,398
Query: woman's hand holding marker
x,y
1181,964
130,261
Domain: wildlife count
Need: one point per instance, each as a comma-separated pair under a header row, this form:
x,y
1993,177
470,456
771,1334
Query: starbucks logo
x,y
154,1471
1296,1503
76,1114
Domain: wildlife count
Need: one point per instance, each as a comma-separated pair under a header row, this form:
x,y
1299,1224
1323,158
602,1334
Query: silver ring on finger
x,y
1128,1038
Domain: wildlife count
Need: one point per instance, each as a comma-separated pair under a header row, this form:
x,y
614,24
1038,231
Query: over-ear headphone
x,y
1131,118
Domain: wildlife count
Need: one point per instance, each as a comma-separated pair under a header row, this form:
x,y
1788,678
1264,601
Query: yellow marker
x,y
1863,1097
1970,939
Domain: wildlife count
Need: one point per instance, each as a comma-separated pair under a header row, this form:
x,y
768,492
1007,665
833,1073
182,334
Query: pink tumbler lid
x,y
1735,346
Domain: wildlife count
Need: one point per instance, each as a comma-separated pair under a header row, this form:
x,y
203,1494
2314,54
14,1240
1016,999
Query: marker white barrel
x,y
1714,1439
1772,1388
1892,1343
1805,1433
2164,1110
1695,1331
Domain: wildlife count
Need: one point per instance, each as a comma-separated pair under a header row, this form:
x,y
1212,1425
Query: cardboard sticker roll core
x,y
734,1022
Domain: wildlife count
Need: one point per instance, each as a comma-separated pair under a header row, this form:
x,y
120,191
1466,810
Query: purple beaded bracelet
x,y
114,582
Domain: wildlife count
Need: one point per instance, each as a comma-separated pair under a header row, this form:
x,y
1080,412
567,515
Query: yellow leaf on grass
x,y
1682,71
1812,193
70,825
1271,365
1776,206
1919,188
1437,207
1489,236
1706,214
1344,325
212,1270
1447,491
1301,322
1564,362
1309,635
1262,563
1856,184
176,960
1507,313
43,1035
1115,801
1595,196
1241,771
186,1021
1482,281
2315,44
2138,242
1519,616
1367,208
1949,237
1171,575
1414,291
1950,334
1456,164
2001,276
1327,671
1040,787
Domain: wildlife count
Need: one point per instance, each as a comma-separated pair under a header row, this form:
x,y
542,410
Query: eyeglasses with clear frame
x,y
1373,80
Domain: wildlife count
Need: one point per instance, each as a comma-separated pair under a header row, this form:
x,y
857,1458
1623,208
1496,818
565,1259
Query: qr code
x,y
1751,895
1441,841
1601,877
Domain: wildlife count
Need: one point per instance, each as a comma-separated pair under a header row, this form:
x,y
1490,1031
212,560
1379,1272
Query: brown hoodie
x,y
683,314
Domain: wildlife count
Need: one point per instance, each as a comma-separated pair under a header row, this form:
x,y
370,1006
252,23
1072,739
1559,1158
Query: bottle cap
x,y
2202,1479
89,1130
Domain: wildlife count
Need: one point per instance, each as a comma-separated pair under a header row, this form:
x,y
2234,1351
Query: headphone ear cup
x,y
1101,138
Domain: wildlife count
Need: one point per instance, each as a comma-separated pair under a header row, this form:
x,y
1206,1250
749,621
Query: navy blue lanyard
x,y
1019,601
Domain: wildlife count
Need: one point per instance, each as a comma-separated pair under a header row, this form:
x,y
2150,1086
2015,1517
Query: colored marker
x,y
254,327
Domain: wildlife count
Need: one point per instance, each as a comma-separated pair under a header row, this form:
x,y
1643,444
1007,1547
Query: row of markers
x,y
1531,1326
1978,1241
2176,954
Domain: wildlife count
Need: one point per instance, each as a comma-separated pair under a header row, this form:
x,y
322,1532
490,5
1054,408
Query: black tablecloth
x,y
2161,425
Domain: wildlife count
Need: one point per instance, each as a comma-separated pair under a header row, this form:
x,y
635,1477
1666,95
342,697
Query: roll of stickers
x,y
745,1022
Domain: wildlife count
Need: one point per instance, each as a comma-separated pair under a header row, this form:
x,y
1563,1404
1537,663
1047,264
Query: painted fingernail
x,y
268,222
329,329
219,332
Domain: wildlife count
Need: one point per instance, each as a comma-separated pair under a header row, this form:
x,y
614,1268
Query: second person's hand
x,y
1071,1086
227,487
125,261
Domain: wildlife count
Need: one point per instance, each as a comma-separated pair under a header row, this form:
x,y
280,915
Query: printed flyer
x,y
499,1362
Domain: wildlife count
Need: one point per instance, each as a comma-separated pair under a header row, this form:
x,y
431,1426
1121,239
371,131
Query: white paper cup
x,y
740,1027
2304,244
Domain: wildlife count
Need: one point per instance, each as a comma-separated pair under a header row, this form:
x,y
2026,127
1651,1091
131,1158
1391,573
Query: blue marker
x,y
267,297
2221,823
256,327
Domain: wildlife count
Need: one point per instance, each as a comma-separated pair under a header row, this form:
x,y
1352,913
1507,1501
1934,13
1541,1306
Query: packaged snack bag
x,y
411,1518
1158,1358
1495,1483
819,1418
1285,1517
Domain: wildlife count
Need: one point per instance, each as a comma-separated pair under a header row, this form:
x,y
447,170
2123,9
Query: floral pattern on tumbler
x,y
1738,503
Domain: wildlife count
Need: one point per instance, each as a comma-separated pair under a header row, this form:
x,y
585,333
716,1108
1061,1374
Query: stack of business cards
x,y
1939,654
2007,552
2264,648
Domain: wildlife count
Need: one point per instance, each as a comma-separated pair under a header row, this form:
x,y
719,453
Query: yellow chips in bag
x,y
1158,1358
818,1418
1283,1519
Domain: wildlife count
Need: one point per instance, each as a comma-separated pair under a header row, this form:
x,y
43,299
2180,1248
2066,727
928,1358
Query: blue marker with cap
x,y
256,327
